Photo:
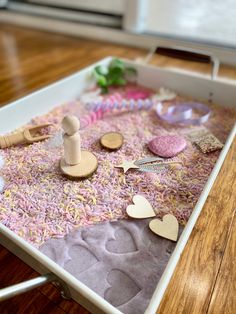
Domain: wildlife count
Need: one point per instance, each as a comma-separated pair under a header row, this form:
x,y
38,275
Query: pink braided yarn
x,y
111,103
99,114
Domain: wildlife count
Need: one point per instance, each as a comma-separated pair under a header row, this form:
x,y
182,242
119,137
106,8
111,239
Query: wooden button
x,y
112,140
87,166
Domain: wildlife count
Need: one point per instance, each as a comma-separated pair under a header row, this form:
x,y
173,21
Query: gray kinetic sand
x,y
122,261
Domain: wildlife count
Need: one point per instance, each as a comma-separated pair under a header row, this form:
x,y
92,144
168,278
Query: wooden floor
x,y
205,277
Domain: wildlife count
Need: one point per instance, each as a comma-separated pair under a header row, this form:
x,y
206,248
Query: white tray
x,y
21,111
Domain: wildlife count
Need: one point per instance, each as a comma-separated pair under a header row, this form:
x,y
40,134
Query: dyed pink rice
x,y
39,203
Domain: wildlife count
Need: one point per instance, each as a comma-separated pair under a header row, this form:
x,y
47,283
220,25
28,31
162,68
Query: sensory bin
x,y
83,219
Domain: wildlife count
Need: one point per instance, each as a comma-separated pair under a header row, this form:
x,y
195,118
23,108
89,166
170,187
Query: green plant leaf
x,y
102,81
101,69
115,74
116,63
120,81
116,71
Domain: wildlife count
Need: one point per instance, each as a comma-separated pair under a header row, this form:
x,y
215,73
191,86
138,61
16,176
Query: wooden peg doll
x,y
76,163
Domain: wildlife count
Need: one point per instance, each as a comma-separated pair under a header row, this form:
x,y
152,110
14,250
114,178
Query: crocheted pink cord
x,y
100,109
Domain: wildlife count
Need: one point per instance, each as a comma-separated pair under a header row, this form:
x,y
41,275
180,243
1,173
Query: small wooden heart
x,y
168,228
141,208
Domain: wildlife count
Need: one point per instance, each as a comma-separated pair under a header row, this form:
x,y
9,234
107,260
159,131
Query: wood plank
x,y
32,302
30,60
224,295
69,306
194,278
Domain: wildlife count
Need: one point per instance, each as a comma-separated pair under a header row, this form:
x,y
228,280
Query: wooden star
x,y
126,165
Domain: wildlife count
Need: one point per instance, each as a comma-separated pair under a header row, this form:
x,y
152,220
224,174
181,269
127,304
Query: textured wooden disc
x,y
87,166
112,140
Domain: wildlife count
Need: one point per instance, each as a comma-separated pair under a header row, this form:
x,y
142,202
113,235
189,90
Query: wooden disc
x,y
87,166
112,140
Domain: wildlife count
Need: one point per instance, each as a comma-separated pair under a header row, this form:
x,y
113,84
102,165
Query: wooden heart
x,y
141,208
168,228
